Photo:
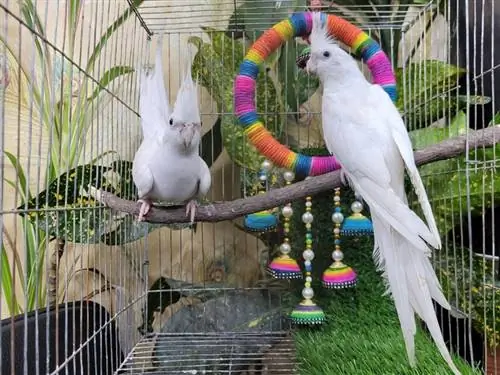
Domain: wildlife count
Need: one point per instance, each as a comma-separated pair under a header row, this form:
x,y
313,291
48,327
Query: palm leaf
x,y
8,284
108,33
108,76
73,10
21,177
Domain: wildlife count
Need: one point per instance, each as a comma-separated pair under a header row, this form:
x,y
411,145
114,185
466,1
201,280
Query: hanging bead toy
x,y
338,275
357,224
307,312
283,266
262,221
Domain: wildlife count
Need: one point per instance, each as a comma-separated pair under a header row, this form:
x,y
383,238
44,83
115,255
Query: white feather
x,y
186,104
164,168
363,129
403,143
154,106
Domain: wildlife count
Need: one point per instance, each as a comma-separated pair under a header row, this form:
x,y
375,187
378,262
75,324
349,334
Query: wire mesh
x,y
271,353
87,288
172,16
68,92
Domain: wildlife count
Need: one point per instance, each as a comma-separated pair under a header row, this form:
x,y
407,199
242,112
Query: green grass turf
x,y
362,335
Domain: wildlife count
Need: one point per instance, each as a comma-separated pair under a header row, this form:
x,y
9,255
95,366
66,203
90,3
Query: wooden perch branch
x,y
229,210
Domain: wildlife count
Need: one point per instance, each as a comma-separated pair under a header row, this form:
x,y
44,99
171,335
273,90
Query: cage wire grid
x,y
75,269
162,16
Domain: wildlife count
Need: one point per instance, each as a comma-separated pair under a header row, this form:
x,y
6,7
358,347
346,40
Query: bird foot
x,y
145,207
210,209
191,207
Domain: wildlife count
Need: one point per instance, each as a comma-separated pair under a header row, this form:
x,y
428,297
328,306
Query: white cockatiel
x,y
167,166
363,129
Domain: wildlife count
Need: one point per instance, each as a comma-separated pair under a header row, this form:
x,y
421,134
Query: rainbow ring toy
x,y
299,25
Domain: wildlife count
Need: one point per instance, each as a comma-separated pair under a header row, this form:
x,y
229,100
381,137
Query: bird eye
x,y
326,54
171,121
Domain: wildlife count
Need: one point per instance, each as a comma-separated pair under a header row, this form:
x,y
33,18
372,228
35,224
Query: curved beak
x,y
188,132
310,68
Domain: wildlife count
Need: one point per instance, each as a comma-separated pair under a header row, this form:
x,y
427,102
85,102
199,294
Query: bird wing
x,y
141,174
205,180
403,143
154,107
364,153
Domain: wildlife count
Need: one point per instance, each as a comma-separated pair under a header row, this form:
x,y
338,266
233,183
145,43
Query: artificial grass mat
x,y
362,335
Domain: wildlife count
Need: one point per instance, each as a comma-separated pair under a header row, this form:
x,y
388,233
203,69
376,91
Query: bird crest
x,y
186,107
319,33
154,105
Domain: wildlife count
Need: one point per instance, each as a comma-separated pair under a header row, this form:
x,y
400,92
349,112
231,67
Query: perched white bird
x,y
167,166
363,129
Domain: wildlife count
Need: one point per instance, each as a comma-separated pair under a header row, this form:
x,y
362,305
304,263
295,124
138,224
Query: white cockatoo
x,y
167,165
363,129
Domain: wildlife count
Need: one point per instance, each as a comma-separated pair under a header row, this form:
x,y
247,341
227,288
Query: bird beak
x,y
309,67
188,131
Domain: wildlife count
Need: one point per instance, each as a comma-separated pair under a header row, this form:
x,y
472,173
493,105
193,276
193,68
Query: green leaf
x,y
63,211
422,138
109,33
68,212
21,177
446,181
8,284
67,188
495,120
108,76
126,188
31,18
426,92
436,174
36,245
74,8
215,66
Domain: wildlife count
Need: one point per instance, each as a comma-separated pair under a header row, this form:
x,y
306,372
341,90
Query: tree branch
x,y
229,210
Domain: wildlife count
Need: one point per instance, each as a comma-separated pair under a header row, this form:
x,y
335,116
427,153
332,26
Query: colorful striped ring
x,y
299,25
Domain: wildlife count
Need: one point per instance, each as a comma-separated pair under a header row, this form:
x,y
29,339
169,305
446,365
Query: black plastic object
x,y
255,313
62,330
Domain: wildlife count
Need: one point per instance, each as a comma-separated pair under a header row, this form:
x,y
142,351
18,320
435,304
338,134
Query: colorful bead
x,y
262,221
284,267
338,275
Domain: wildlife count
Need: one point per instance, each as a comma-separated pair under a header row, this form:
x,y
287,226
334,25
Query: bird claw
x,y
343,177
191,207
358,197
145,207
210,209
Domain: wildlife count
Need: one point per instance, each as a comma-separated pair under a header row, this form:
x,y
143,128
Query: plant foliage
x,y
215,65
427,92
65,99
450,182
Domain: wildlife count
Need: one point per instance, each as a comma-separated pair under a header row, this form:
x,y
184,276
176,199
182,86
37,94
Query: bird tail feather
x,y
412,283
399,216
